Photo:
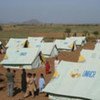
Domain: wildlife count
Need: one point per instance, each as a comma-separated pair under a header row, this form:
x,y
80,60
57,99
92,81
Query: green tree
x,y
96,33
68,31
1,28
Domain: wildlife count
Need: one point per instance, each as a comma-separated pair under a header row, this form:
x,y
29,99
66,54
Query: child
x,y
41,83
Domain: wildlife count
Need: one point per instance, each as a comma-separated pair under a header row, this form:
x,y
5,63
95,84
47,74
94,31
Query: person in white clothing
x,y
56,62
41,83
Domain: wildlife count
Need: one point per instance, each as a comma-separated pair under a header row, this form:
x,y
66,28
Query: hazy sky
x,y
52,11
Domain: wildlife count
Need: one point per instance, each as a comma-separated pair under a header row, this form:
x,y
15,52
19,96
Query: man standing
x,y
10,82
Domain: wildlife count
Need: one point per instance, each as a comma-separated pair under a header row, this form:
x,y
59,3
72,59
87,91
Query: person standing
x,y
30,85
36,84
56,62
41,83
42,59
10,82
47,67
23,81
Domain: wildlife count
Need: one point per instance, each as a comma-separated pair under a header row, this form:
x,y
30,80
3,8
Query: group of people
x,y
29,81
34,86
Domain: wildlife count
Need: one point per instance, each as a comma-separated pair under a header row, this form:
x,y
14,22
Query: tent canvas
x,y
35,39
97,47
90,55
63,45
80,41
48,49
24,57
75,80
16,43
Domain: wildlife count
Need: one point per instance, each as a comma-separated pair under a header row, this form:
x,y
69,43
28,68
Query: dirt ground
x,y
67,56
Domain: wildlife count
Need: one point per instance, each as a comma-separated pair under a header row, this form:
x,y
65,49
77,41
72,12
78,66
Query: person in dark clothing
x,y
40,55
42,59
23,81
14,72
75,34
10,82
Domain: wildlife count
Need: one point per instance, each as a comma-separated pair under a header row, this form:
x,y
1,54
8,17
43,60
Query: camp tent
x,y
48,49
65,45
75,81
35,39
89,55
16,43
97,47
80,41
27,58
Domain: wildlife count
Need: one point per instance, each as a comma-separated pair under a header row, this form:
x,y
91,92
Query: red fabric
x,y
47,66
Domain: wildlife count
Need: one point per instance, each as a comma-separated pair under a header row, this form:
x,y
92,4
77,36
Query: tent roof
x,y
45,47
78,40
97,47
35,39
20,56
76,80
64,44
80,37
16,42
90,55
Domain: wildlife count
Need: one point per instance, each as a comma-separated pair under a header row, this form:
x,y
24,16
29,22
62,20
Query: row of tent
x,y
61,44
25,52
77,80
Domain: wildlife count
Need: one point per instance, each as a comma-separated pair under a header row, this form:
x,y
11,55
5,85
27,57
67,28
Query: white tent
x,y
75,81
90,55
97,47
65,45
35,39
16,43
27,58
80,41
48,49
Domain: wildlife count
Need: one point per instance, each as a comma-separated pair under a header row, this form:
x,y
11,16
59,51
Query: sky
x,y
51,11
